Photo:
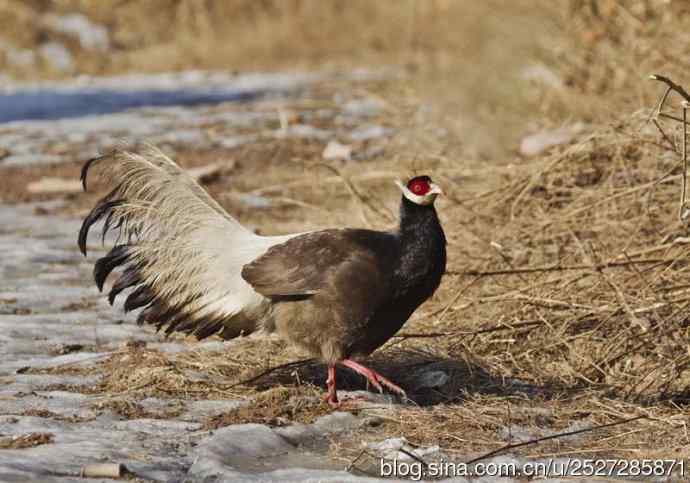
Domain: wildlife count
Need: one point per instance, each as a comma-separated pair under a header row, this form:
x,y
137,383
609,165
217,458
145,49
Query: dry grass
x,y
567,299
565,306
245,34
278,406
28,440
453,52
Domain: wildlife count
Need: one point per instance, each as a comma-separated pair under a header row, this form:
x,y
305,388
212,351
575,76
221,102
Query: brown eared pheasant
x,y
339,294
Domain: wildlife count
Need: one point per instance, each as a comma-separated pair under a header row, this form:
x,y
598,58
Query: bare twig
x,y
269,371
628,192
683,193
657,113
364,201
671,86
406,335
414,457
559,268
553,436
498,328
352,465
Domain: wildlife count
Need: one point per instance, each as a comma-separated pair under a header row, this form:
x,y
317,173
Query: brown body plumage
x,y
336,293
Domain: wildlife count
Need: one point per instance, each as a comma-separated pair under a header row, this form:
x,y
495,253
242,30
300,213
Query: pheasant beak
x,y
435,189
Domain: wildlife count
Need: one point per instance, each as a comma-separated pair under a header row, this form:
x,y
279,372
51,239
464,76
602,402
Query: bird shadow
x,y
427,379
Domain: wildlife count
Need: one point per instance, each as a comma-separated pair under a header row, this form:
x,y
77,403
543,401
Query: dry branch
x,y
566,434
268,371
558,268
673,87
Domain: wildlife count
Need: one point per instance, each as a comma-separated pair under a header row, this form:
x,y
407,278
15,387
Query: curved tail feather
x,y
180,251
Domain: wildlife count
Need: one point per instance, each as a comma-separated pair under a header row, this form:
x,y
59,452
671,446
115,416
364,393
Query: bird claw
x,y
374,378
394,387
376,384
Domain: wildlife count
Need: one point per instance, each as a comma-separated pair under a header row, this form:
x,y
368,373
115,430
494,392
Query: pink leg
x,y
332,395
372,376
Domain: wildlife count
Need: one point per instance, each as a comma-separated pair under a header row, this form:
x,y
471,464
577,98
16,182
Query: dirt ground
x,y
566,302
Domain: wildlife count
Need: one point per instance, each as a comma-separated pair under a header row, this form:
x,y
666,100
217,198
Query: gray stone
x,y
337,151
431,379
303,131
363,107
91,36
542,74
57,55
254,452
367,132
254,201
539,142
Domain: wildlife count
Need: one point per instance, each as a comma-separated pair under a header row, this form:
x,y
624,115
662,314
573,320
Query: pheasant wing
x,y
330,260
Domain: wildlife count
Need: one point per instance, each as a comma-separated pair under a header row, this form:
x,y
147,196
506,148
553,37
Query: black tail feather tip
x,y
103,266
129,278
96,214
141,297
85,170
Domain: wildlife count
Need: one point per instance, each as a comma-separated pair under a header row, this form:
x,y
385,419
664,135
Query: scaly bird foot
x,y
373,377
331,396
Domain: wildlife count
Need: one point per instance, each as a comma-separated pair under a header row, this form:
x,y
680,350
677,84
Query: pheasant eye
x,y
419,186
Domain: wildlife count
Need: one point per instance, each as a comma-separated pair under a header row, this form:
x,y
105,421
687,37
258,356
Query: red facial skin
x,y
419,186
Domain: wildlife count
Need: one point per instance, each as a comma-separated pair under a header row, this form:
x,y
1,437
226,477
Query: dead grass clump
x,y
171,34
146,373
278,406
204,374
44,413
74,368
235,373
130,409
588,425
588,250
618,44
28,440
